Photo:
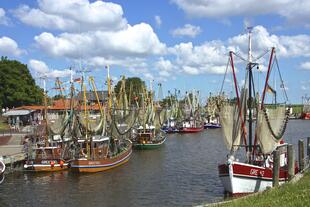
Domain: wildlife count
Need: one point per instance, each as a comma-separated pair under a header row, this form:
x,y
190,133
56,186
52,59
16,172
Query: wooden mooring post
x,y
301,155
308,147
290,161
276,168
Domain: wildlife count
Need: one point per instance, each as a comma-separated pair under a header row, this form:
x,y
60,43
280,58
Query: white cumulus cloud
x,y
165,67
211,56
136,41
187,30
295,12
9,47
41,68
305,65
73,15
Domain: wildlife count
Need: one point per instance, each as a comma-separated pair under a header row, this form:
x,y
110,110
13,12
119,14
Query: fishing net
x,y
57,123
124,120
94,123
232,122
230,128
271,124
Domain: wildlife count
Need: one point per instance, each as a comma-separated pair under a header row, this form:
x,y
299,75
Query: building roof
x,y
17,112
29,108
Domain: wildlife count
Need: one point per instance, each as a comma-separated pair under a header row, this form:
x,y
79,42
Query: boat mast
x,y
250,66
109,87
45,110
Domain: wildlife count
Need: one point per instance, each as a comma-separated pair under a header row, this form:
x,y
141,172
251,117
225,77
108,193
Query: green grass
x,y
289,194
297,109
3,124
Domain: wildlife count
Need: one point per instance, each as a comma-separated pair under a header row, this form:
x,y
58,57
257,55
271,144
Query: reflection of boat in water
x,y
255,172
2,169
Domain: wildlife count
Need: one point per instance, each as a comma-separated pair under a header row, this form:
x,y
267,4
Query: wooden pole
x,y
301,154
276,168
290,162
308,147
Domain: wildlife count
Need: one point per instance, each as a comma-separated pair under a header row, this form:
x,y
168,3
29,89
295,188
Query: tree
x,y
136,85
17,87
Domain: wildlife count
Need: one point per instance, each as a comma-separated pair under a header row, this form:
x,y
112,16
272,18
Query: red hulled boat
x,y
264,133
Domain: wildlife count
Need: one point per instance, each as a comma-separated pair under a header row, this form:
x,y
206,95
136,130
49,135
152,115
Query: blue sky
x,y
183,44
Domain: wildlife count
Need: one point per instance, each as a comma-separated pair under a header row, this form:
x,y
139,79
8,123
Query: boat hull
x,y
89,166
241,178
170,130
305,116
2,169
212,126
191,129
45,165
146,146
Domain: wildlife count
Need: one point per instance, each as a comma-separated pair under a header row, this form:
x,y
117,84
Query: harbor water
x,y
181,173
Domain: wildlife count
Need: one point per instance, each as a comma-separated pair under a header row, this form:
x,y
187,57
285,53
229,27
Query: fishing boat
x,y
105,154
148,133
173,115
46,150
2,169
191,111
249,165
47,159
306,108
98,146
212,125
212,120
170,127
191,126
147,138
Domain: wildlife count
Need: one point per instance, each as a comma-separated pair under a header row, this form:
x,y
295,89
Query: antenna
x,y
250,44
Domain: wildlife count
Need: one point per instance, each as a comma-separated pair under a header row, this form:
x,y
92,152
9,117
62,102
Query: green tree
x,y
17,87
136,85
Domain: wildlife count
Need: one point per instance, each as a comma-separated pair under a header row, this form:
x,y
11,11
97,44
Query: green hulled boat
x,y
144,141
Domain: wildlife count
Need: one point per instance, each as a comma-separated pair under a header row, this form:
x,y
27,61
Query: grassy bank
x,y
297,109
3,125
289,194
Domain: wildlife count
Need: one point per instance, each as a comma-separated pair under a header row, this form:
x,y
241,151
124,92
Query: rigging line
x,y
282,82
262,55
240,57
225,75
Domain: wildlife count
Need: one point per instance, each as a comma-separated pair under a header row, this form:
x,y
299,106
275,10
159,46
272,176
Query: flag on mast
x,y
271,90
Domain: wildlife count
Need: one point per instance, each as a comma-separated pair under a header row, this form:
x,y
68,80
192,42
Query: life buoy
x,y
61,163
